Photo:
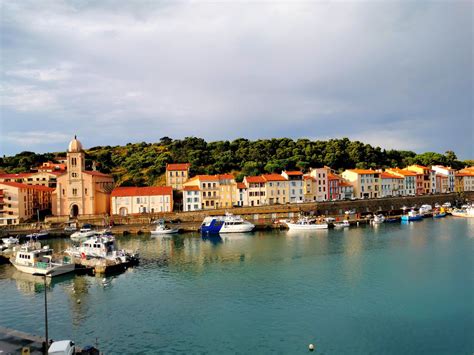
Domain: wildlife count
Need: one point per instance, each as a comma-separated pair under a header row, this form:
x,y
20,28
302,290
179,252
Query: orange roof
x,y
387,175
308,177
401,172
96,173
363,171
142,191
241,185
13,176
467,173
42,188
191,188
255,179
343,183
207,177
333,177
273,177
17,185
178,166
294,173
418,166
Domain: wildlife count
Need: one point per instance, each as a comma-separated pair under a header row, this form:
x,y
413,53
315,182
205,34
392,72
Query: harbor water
x,y
390,288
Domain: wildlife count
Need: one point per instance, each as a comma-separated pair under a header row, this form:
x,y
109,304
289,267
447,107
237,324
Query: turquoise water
x,y
392,288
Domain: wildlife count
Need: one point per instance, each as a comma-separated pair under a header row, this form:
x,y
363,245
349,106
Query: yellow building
x,y
366,182
276,189
80,191
464,180
228,191
177,175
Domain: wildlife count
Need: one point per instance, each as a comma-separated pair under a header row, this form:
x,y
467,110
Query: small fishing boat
x,y
306,224
344,224
378,219
412,216
468,212
38,235
162,229
82,234
10,241
31,258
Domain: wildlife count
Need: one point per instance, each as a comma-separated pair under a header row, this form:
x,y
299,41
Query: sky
x,y
398,75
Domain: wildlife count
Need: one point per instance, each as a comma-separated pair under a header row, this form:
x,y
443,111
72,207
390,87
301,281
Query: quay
x,y
16,342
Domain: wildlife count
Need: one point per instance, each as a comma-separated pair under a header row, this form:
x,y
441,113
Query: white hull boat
x,y
343,224
467,213
162,230
32,259
378,219
10,241
83,234
305,224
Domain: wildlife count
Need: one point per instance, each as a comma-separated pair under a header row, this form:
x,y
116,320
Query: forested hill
x,y
144,163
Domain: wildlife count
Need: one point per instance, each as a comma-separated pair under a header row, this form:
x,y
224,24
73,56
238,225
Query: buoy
x,y
78,301
311,347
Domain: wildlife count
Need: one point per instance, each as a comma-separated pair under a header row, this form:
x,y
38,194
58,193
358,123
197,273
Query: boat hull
x,y
306,227
50,272
462,214
439,215
411,218
241,228
164,232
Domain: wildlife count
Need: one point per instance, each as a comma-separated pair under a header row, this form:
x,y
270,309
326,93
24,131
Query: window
x,y
74,192
85,191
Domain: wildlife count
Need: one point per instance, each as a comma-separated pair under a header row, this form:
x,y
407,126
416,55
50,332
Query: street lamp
x,y
45,307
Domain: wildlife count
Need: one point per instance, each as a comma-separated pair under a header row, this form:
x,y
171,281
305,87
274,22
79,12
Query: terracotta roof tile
x,y
387,175
363,171
15,176
142,191
177,166
255,179
274,177
241,185
295,173
96,173
191,188
16,184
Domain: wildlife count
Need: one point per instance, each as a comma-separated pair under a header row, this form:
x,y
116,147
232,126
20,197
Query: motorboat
x,y
82,234
38,235
468,212
102,247
31,258
349,212
306,224
378,219
235,224
226,224
412,216
162,229
344,224
426,210
10,241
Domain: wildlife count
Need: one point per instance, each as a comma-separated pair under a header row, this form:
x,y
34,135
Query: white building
x,y
191,198
446,172
242,194
132,200
391,185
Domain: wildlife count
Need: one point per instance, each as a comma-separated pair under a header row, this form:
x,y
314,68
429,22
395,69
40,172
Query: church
x,y
80,191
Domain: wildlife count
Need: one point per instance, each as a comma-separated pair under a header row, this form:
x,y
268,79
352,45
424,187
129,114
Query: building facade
x,y
295,185
366,182
191,198
135,200
177,175
79,191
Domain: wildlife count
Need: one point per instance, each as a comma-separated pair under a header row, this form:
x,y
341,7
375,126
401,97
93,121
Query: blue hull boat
x,y
439,215
211,225
412,218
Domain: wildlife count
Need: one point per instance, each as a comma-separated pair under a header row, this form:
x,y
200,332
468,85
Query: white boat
x,y
306,224
345,223
235,224
10,241
39,235
32,259
83,233
425,209
349,212
162,229
468,212
378,219
101,247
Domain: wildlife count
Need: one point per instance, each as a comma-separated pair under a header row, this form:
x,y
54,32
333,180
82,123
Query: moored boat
x,y
162,229
83,233
31,258
306,224
38,235
378,219
468,212
344,224
412,216
10,241
226,224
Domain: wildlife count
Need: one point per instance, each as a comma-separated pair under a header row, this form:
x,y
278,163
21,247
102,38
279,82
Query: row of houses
x,y
68,189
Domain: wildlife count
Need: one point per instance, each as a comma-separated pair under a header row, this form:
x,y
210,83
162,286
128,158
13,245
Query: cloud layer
x,y
398,74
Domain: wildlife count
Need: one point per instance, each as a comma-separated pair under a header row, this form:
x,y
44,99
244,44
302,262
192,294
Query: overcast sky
x,y
397,74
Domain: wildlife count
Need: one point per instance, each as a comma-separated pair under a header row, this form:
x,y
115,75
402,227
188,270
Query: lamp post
x,y
45,308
